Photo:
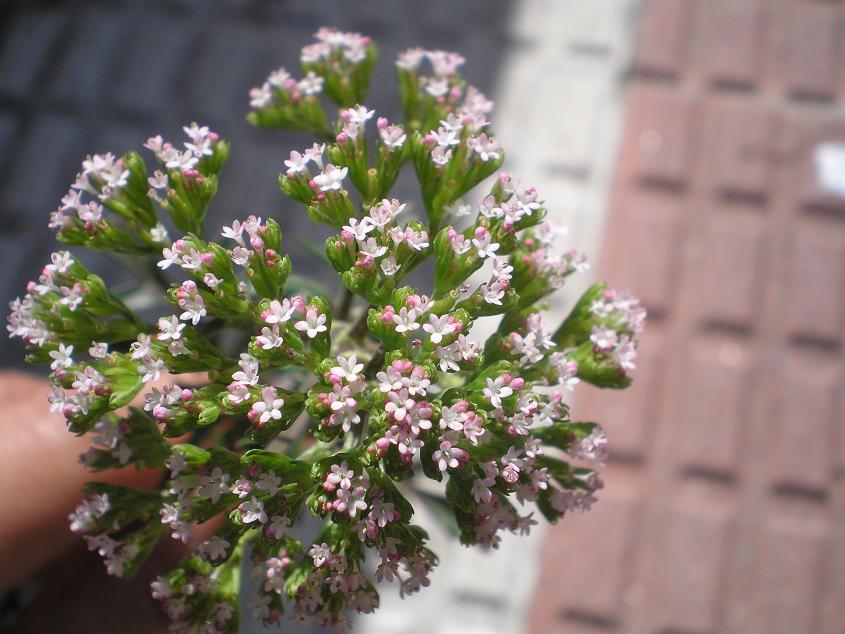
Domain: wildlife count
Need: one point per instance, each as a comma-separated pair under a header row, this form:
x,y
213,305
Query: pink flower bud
x,y
381,123
518,383
256,243
160,412
187,395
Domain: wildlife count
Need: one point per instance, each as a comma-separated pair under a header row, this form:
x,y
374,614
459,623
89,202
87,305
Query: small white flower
x,y
485,245
347,368
406,320
359,228
269,482
496,390
61,357
98,349
169,328
438,327
252,510
279,312
313,324
270,407
603,338
331,178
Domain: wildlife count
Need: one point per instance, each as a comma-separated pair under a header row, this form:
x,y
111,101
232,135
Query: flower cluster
x,y
291,405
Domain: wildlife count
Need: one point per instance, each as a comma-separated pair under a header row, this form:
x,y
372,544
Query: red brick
x,y
727,280
662,42
581,572
787,585
628,416
728,38
738,146
648,233
803,131
801,429
690,553
660,133
713,403
808,60
816,282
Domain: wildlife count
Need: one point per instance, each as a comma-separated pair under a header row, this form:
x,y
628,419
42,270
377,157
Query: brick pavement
x,y
724,509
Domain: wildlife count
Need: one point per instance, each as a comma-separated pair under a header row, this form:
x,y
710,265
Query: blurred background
x,y
676,140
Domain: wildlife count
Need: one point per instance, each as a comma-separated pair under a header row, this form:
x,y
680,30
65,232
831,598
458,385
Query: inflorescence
x,y
372,395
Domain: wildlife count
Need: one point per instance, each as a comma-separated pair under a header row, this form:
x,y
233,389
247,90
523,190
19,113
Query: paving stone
x,y
816,282
25,52
802,429
79,76
788,579
728,39
810,59
649,233
691,552
219,86
803,130
567,148
747,399
663,37
593,586
729,271
714,405
41,172
155,57
661,130
739,148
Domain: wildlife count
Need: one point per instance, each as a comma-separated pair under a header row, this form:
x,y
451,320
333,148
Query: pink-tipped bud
x,y
160,413
382,444
518,383
187,395
256,243
381,123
